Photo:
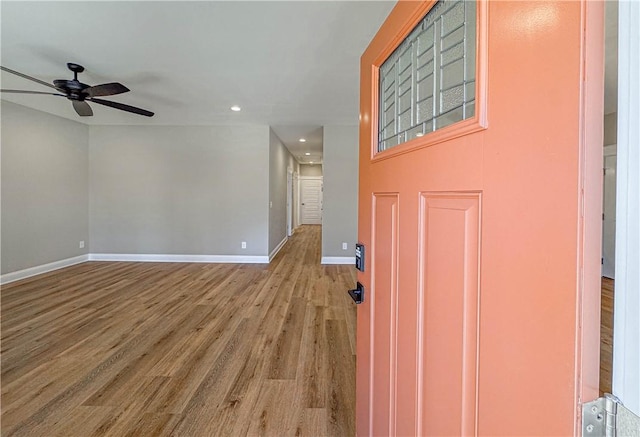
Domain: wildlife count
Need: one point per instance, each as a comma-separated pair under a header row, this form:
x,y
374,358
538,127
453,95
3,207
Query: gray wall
x,y
310,170
193,190
611,129
340,201
44,188
279,161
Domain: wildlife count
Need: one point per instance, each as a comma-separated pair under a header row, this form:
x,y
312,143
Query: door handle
x,y
358,294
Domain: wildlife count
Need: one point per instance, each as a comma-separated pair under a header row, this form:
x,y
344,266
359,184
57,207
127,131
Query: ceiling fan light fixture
x,y
236,108
308,154
302,140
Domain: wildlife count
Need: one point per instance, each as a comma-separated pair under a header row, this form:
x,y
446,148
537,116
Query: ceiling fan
x,y
79,93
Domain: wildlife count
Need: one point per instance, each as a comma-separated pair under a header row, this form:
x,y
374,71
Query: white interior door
x,y
609,213
311,201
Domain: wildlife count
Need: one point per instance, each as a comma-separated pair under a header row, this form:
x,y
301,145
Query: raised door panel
x,y
384,298
449,296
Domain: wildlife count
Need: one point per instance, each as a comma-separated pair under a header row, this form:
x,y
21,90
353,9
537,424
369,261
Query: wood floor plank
x,y
341,374
199,416
190,372
140,366
85,418
277,410
235,413
81,385
150,424
287,347
31,393
129,412
313,359
313,422
606,336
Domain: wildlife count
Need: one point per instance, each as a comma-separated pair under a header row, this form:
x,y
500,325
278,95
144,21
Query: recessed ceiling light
x,y
310,162
307,153
302,140
236,108
419,134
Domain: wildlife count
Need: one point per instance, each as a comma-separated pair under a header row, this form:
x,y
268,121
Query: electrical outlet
x,y
344,246
244,244
81,245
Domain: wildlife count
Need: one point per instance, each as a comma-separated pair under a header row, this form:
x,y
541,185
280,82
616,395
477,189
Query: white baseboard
x,y
275,251
338,260
44,268
234,259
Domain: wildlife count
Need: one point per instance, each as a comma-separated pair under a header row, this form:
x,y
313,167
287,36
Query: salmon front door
x,y
480,188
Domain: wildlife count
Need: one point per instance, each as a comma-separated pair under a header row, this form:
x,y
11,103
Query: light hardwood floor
x,y
606,335
145,349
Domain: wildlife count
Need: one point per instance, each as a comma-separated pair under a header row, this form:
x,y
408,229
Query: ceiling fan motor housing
x,y
72,88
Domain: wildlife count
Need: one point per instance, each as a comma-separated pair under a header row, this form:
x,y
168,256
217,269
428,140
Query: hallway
x,y
184,349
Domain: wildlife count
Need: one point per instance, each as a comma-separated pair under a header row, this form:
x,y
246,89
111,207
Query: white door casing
x,y
296,200
626,324
289,202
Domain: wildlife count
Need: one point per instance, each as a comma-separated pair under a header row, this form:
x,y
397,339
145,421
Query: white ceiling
x,y
291,135
292,65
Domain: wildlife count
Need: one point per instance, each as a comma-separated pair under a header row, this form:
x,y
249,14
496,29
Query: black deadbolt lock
x,y
360,257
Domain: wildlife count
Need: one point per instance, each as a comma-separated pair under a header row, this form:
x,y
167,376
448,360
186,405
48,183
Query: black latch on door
x,y
358,294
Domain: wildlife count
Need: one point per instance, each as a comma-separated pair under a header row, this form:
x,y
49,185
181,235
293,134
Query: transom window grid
x,y
429,81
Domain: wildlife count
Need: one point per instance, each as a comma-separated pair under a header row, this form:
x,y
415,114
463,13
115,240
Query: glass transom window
x,y
428,82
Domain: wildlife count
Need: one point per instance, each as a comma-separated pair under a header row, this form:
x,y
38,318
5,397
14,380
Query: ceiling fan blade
x,y
30,92
82,108
123,107
41,82
106,89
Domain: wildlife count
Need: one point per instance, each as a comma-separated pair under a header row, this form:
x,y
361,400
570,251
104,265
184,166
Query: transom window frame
x,y
467,126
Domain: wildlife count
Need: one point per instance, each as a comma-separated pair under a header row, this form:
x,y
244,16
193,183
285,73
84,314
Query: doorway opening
x,y
609,196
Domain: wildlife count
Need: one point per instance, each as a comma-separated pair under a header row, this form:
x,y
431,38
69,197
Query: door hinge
x,y
607,417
